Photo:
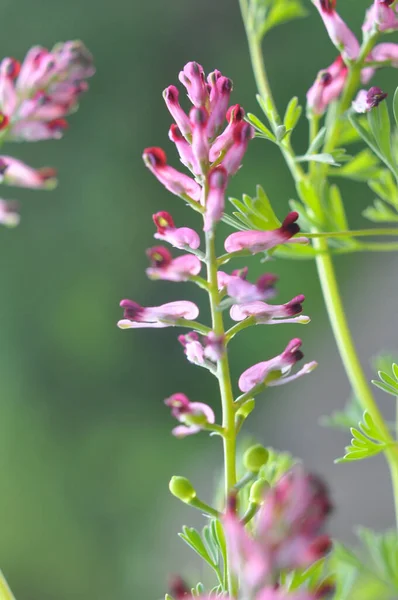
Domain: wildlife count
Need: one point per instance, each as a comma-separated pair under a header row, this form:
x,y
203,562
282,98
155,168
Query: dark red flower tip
x,y
326,589
184,339
294,306
292,350
58,125
326,78
218,178
163,220
3,166
224,85
178,588
171,94
266,281
289,226
328,6
235,114
374,96
156,157
175,134
47,173
159,256
131,309
242,273
4,121
242,132
13,68
232,502
321,546
198,117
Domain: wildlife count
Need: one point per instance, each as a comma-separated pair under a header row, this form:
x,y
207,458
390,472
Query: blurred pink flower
x,y
270,314
368,99
165,315
164,266
193,415
340,34
178,237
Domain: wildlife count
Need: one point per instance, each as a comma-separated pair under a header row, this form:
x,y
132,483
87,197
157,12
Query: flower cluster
x,y
287,535
35,98
330,82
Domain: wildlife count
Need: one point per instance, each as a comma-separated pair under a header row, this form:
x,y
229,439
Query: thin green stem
x,y
355,233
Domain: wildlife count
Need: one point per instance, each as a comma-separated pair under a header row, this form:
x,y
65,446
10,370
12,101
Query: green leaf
x,y
379,122
336,209
388,383
317,142
395,106
193,539
280,133
321,158
385,387
346,418
260,127
385,187
367,441
362,167
292,114
380,213
278,464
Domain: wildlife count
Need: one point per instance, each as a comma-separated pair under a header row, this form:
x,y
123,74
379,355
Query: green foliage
x,y
210,545
385,207
388,382
262,130
292,114
310,579
257,212
362,167
278,464
342,419
367,441
267,14
369,572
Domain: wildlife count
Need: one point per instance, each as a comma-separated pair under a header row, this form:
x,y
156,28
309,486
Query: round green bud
x,y
168,597
246,408
257,491
182,489
200,420
255,457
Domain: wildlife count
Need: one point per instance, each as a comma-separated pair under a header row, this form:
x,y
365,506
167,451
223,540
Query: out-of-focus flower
x,y
215,201
164,266
368,99
385,52
275,371
179,237
260,241
242,291
193,415
381,16
9,215
270,314
328,86
340,34
193,348
15,172
165,315
242,134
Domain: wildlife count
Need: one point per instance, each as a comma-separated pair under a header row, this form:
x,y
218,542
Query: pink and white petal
x,y
201,408
182,431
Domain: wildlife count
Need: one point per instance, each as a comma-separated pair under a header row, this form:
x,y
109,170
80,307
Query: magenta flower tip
x,y
367,100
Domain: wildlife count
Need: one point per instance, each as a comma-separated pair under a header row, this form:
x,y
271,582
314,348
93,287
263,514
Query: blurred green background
x,y
85,444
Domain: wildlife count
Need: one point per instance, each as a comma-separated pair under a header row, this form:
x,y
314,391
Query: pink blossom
x,y
368,99
214,346
193,348
179,237
164,266
385,52
327,87
171,95
215,201
184,149
270,314
220,92
243,291
340,34
193,415
203,351
35,130
225,140
274,371
193,78
165,315
200,144
381,17
260,241
242,134
174,181
15,172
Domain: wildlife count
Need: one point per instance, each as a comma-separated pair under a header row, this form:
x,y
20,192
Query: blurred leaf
x,y
346,418
379,122
380,213
384,185
5,592
278,464
260,127
388,382
367,441
362,167
321,158
193,539
292,114
267,14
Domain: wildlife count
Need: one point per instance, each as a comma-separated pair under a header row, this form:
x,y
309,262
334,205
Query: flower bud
x,y
182,489
255,457
257,491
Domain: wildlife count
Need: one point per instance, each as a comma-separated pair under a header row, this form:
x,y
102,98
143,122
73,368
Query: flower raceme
x,y
35,98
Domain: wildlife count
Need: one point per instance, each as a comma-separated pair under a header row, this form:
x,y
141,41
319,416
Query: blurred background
x,y
85,445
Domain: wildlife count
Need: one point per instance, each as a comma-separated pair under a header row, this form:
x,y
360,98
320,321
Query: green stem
x,y
354,233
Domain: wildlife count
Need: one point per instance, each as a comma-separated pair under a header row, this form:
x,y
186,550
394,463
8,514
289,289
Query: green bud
x,y
182,489
246,408
258,490
168,597
195,419
255,457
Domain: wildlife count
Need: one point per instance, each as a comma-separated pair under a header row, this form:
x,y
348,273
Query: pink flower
x,y
193,415
200,144
220,89
170,96
165,315
193,78
327,87
368,99
385,52
174,181
215,201
260,241
193,348
9,215
274,371
164,266
242,134
15,172
184,149
381,17
224,141
180,237
242,291
214,346
340,34
270,314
